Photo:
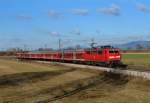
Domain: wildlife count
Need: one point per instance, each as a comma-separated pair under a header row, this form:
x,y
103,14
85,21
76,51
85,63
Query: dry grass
x,y
11,66
30,83
133,91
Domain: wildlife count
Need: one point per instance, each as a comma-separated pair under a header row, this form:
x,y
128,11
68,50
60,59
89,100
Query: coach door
x,y
94,54
105,55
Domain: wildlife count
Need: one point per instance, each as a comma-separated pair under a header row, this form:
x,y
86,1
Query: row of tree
x,y
13,51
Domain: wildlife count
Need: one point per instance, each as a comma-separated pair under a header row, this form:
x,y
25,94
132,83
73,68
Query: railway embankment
x,y
145,74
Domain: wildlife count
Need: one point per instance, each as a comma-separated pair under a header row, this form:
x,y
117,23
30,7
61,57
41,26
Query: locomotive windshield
x,y
113,51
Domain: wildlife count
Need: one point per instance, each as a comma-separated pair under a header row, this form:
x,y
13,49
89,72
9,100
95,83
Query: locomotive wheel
x,y
110,65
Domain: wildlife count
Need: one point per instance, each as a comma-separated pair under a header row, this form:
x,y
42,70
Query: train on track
x,y
104,56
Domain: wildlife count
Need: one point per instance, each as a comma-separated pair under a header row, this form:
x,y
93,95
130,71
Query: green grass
x,y
136,59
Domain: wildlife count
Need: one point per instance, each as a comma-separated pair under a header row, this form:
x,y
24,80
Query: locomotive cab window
x,y
116,51
113,51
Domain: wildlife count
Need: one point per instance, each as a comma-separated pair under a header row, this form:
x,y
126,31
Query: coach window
x,y
88,52
79,55
65,54
47,55
94,52
69,54
100,52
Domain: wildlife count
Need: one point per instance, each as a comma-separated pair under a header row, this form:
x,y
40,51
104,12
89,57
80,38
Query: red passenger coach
x,y
105,56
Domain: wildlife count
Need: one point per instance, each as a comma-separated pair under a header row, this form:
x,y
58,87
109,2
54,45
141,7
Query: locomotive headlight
x,y
117,56
111,57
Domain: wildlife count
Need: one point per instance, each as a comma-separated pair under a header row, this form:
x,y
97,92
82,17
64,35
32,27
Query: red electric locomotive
x,y
104,56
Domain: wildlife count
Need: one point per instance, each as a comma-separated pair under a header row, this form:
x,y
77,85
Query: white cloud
x,y
76,31
53,33
143,8
24,17
112,10
54,14
81,12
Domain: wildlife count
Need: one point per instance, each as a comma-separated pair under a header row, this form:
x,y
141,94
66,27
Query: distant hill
x,y
134,45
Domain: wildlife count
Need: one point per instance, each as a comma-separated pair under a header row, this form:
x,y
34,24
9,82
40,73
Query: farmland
x,y
22,82
136,59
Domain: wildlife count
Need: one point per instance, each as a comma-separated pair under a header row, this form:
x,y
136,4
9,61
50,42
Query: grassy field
x,y
44,83
136,59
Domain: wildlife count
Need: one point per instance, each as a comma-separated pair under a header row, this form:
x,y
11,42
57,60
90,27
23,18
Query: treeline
x,y
7,53
10,52
135,51
13,51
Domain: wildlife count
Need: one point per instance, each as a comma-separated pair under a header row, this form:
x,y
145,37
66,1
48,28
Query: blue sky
x,y
36,23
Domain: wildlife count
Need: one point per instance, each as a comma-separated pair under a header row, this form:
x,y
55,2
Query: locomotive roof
x,y
69,51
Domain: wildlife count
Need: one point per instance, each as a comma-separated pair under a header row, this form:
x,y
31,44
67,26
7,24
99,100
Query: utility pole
x,y
92,43
45,47
61,48
59,43
25,47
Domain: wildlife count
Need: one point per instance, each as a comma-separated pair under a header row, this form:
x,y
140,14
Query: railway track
x,y
80,87
86,84
135,72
